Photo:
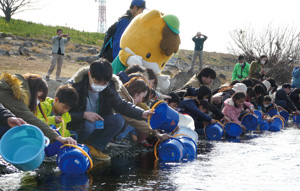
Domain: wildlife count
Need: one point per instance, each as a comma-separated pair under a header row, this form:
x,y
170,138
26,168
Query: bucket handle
x,y
47,141
83,152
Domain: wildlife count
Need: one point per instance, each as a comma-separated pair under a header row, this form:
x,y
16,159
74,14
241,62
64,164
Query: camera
x,y
240,76
99,124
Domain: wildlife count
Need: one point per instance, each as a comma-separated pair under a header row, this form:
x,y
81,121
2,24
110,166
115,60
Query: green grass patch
x,y
40,31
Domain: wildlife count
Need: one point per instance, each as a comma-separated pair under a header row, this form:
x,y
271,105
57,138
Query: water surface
x,y
268,161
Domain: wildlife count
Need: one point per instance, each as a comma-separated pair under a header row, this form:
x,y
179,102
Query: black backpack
x,y
107,47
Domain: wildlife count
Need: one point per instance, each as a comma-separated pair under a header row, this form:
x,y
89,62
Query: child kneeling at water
x,y
236,106
55,111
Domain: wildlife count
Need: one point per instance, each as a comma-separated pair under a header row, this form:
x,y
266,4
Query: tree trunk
x,y
7,14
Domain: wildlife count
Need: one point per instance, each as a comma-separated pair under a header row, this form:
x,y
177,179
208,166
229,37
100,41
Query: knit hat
x,y
173,23
267,84
139,3
239,87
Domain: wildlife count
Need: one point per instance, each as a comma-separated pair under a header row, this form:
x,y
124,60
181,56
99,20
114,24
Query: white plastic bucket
x,y
189,132
186,121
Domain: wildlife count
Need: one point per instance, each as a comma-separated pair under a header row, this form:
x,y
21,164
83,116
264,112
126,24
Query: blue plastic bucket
x,y
250,121
272,112
264,126
23,146
72,159
233,129
214,131
164,118
276,125
259,115
190,146
296,119
171,150
285,115
53,148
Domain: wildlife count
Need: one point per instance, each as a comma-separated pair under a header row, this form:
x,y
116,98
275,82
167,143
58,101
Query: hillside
x,y
26,47
39,31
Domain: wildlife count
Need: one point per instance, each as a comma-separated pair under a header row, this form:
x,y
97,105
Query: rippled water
x,y
269,161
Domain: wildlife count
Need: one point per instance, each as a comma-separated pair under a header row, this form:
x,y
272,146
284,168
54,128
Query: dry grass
x,y
19,64
70,47
36,49
6,47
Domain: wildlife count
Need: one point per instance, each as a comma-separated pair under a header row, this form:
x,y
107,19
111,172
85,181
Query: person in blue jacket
x,y
136,7
296,77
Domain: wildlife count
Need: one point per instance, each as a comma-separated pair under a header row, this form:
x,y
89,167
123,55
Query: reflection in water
x,y
267,161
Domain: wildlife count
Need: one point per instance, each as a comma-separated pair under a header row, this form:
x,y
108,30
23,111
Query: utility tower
x,y
102,16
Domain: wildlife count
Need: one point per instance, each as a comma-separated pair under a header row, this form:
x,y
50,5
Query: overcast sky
x,y
214,18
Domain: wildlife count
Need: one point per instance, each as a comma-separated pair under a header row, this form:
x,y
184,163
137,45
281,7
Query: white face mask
x,y
98,88
241,64
266,105
262,62
205,99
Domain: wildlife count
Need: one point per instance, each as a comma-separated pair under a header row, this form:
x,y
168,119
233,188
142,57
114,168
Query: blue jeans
x,y
99,138
129,130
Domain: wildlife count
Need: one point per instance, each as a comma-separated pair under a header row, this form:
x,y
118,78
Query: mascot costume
x,y
150,41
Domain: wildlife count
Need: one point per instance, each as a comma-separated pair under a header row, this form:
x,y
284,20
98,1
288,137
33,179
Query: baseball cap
x,y
139,3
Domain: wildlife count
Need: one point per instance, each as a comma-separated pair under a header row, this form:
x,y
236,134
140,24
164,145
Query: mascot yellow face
x,y
152,38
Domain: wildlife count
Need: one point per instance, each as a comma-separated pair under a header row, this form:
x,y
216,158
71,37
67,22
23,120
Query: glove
x,y
163,81
134,59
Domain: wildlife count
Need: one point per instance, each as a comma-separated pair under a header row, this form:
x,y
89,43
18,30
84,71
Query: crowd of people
x,y
96,107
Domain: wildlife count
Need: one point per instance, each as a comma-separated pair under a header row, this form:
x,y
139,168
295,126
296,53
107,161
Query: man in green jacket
x,y
241,69
198,51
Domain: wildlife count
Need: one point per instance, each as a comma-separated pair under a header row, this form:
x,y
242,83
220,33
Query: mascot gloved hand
x,y
149,40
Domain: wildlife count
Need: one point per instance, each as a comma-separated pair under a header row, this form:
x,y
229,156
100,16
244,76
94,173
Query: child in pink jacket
x,y
234,106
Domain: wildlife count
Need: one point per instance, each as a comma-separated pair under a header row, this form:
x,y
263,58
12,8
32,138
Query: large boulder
x,y
24,51
4,52
88,59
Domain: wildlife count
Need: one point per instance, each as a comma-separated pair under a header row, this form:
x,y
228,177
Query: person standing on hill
x,y
136,7
241,69
198,51
58,51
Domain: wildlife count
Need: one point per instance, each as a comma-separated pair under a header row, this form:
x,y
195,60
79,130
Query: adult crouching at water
x,y
137,91
21,95
8,120
257,68
97,101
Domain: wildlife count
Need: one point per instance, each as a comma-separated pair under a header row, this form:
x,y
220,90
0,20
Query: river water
x,y
268,161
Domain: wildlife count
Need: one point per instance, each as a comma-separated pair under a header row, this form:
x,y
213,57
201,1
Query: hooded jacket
x,y
50,118
109,100
139,125
15,96
233,112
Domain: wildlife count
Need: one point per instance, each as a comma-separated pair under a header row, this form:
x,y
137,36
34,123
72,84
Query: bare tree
x,y
11,7
281,45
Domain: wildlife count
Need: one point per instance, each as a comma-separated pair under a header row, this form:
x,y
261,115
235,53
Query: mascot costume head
x,y
150,41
